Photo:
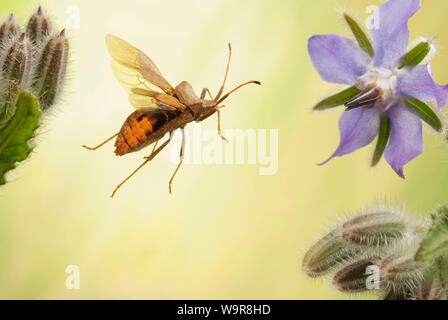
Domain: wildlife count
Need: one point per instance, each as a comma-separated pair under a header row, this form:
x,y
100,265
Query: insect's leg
x,y
204,92
225,76
153,149
101,144
219,126
181,156
151,156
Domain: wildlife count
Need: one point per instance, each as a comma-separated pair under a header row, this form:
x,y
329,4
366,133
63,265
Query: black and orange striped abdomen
x,y
136,131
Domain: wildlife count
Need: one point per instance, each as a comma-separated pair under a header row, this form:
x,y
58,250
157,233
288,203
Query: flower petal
x,y
417,82
358,127
406,139
390,33
337,59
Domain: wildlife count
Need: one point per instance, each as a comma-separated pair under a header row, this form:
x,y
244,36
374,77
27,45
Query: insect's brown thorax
x,y
185,93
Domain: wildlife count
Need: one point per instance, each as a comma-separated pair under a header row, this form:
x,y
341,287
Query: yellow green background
x,y
226,232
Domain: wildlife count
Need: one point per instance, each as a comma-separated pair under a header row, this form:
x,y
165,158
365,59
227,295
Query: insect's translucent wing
x,y
139,101
130,57
129,78
143,98
141,95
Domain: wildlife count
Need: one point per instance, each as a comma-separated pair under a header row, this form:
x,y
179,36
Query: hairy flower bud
x,y
353,278
8,30
39,27
17,63
8,103
327,254
400,272
375,229
50,72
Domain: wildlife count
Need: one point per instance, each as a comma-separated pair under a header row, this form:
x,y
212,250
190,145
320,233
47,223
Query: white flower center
x,y
384,80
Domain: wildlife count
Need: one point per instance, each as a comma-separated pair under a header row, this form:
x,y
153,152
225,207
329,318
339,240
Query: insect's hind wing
x,y
129,78
141,94
141,101
130,57
160,97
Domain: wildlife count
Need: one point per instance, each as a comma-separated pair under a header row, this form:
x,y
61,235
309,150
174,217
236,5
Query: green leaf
x,y
383,139
425,113
337,99
435,243
360,36
14,136
416,54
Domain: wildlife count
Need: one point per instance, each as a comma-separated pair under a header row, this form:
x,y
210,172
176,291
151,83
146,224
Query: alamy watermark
x,y
373,280
73,21
72,282
373,21
245,146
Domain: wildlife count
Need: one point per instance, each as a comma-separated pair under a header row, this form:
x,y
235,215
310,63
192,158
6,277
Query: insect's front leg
x,y
204,92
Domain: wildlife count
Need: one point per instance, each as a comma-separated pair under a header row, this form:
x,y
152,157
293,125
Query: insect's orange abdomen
x,y
137,128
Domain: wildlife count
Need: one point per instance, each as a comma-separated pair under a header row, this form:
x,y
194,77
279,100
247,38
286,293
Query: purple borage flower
x,y
389,89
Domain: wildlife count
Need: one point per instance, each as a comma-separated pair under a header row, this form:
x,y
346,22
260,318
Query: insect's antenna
x,y
225,76
232,91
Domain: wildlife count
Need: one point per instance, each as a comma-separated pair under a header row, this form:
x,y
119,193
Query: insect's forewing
x,y
141,95
131,57
141,91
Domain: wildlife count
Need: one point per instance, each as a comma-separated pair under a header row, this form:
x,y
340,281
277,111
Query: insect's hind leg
x,y
153,149
181,156
101,144
151,156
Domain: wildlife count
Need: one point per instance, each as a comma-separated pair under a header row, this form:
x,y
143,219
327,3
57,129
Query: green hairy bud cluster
x,y
385,251
32,72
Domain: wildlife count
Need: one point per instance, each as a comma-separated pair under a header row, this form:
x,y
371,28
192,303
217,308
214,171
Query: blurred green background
x,y
226,232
